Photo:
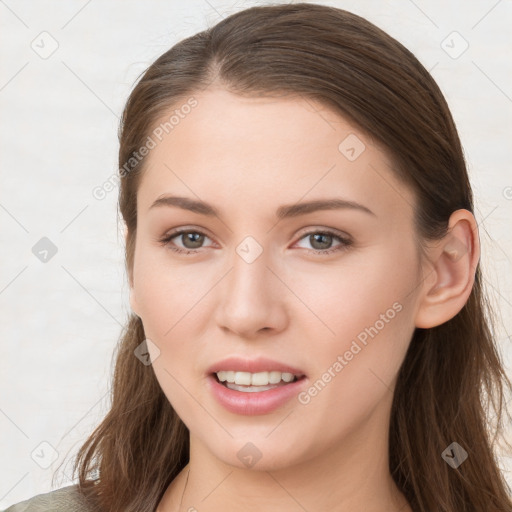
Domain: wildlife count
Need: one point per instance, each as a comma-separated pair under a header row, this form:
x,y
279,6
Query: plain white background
x,y
61,319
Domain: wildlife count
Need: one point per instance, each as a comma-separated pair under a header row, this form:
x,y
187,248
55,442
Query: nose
x,y
252,298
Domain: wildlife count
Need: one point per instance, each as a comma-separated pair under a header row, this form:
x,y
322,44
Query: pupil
x,y
313,240
198,240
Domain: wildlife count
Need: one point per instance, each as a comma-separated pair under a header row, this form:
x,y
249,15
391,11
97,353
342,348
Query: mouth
x,y
247,382
264,395
254,386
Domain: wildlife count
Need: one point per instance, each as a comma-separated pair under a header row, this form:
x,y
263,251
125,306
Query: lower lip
x,y
259,402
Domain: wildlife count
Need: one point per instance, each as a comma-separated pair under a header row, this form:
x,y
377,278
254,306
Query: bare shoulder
x,y
66,499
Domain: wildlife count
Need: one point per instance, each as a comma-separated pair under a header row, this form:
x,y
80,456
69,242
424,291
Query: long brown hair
x,y
452,376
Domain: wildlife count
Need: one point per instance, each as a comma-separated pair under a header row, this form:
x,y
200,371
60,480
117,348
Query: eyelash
x,y
345,242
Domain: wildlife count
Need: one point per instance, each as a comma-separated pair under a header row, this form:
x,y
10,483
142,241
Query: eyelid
x,y
165,239
304,231
186,229
322,229
344,238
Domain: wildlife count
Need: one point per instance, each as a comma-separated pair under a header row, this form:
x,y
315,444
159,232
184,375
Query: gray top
x,y
66,499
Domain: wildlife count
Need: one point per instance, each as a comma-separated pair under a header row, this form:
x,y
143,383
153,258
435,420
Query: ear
x,y
450,274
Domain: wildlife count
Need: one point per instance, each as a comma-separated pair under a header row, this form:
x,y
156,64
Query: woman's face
x,y
328,294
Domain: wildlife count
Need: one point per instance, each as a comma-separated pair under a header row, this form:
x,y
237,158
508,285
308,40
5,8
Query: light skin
x,y
247,157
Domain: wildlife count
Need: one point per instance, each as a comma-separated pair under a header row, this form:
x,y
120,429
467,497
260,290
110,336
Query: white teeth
x,y
274,377
258,379
254,379
226,376
287,377
249,389
243,378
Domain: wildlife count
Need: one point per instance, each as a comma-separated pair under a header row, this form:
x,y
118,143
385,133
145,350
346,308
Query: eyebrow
x,y
285,211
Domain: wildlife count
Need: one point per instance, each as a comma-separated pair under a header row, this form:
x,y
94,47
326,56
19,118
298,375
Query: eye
x,y
191,239
321,241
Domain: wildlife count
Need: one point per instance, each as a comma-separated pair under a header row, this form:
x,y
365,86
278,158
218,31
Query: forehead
x,y
261,151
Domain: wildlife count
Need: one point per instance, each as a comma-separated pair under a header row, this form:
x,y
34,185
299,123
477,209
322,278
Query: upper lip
x,y
260,364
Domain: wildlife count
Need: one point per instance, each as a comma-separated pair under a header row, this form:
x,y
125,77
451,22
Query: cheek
x,y
336,303
171,303
166,297
363,323
355,378
164,292
346,299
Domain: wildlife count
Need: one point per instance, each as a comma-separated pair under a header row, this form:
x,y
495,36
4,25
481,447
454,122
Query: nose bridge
x,y
249,294
249,275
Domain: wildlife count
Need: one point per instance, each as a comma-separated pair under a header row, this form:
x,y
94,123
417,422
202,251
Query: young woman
x,y
309,329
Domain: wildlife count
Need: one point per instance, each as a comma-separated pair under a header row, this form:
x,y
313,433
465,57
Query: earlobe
x,y
452,270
